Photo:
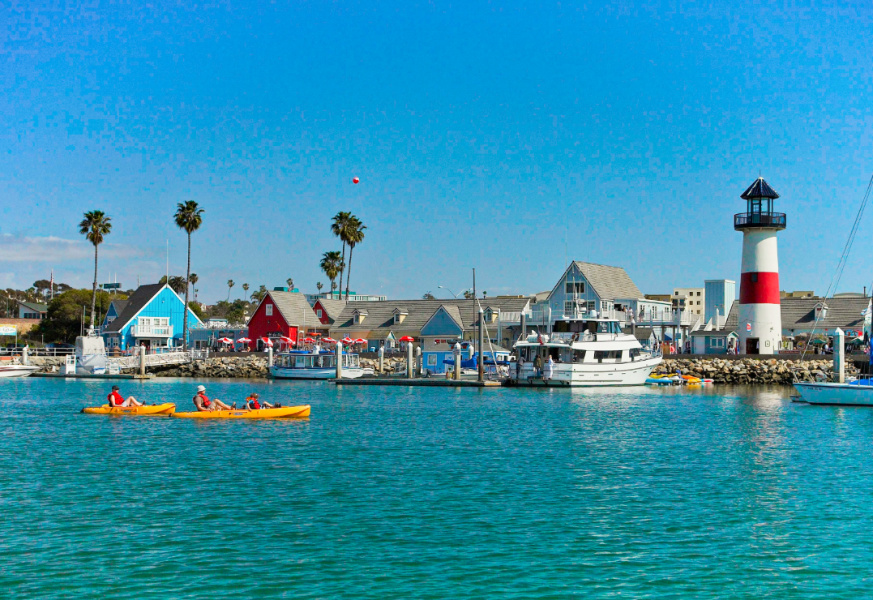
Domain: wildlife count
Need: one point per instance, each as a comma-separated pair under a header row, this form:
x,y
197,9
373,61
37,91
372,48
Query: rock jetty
x,y
778,371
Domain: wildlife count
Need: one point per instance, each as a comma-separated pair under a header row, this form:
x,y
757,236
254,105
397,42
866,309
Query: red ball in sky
x,y
355,180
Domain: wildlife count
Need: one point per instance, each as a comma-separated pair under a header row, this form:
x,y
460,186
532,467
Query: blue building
x,y
720,295
153,316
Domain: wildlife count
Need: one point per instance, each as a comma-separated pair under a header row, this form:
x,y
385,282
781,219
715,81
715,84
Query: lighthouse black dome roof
x,y
759,189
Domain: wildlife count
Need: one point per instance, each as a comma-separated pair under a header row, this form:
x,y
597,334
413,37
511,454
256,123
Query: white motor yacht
x,y
587,352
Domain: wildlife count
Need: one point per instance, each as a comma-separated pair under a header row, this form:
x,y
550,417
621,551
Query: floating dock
x,y
83,376
425,382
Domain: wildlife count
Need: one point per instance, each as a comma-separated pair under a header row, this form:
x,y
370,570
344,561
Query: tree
x,y
318,286
259,294
188,217
331,264
63,321
428,296
354,236
195,308
339,228
230,284
192,280
468,295
95,226
290,283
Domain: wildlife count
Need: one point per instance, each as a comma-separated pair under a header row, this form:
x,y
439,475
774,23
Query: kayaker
x,y
116,399
253,403
203,403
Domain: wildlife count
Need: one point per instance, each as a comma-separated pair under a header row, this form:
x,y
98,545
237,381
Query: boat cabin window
x,y
634,353
578,355
609,355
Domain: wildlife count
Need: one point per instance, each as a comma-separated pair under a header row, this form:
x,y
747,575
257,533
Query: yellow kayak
x,y
151,409
285,412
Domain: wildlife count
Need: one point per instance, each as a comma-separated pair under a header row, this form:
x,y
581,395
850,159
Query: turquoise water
x,y
433,493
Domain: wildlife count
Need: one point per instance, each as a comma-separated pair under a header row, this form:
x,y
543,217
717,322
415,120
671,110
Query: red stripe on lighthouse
x,y
759,288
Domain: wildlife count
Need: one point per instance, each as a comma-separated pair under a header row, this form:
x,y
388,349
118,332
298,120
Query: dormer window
x,y
399,315
489,315
359,316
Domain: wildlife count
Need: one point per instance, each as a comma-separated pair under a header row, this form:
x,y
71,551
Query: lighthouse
x,y
760,318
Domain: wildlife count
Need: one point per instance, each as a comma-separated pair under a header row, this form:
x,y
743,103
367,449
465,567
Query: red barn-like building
x,y
282,314
327,310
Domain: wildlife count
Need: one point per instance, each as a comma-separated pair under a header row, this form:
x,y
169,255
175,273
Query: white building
x,y
692,300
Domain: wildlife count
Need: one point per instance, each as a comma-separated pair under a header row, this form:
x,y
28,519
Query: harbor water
x,y
435,493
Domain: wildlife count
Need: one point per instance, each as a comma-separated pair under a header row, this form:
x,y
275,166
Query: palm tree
x,y
230,284
354,236
331,264
95,226
318,286
193,281
245,287
290,283
339,228
189,216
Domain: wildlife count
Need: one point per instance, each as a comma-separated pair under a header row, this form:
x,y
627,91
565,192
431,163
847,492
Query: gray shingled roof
x,y
34,306
294,308
759,189
135,303
333,308
380,315
609,282
119,306
799,314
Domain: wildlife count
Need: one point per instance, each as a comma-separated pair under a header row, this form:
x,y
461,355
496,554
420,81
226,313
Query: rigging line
x,y
841,265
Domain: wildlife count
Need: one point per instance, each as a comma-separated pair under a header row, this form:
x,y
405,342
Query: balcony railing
x,y
763,220
154,331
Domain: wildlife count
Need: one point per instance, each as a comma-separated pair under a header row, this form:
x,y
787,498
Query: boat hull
x,y
284,412
152,409
590,374
17,370
836,394
317,374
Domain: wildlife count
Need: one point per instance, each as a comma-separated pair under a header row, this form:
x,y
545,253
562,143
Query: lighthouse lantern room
x,y
760,317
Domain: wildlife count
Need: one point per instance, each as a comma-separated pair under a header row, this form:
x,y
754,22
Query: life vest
x,y
253,404
115,399
206,401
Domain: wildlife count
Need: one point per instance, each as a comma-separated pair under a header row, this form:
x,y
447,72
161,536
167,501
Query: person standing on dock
x,y
538,366
550,368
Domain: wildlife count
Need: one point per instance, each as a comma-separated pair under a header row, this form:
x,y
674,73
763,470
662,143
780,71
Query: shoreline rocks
x,y
773,371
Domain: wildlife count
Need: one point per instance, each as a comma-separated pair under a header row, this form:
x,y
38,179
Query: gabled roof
x,y
332,308
119,305
34,306
608,282
759,189
137,301
380,315
293,307
799,313
452,311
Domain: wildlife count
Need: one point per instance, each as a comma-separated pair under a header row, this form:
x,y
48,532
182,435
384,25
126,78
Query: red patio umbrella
x,y
243,341
347,340
225,340
308,340
314,334
329,340
267,342
360,341
407,338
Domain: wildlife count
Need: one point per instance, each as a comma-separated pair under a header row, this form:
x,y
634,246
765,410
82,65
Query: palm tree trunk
x,y
349,276
187,289
342,270
94,288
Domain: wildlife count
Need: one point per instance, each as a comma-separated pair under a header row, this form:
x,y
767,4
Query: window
x,y
716,342
319,313
269,310
431,360
569,307
578,355
698,293
396,318
575,287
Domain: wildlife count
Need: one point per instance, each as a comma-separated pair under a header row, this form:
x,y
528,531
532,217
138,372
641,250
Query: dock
x,y
83,376
425,382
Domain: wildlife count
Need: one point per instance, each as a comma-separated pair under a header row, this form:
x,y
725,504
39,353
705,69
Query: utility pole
x,y
481,360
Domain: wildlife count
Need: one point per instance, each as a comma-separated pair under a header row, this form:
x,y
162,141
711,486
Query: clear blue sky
x,y
506,136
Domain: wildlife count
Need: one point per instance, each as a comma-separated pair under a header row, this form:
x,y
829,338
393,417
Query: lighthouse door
x,y
752,346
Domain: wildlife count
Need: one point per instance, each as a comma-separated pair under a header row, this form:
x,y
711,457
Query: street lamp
x,y
442,287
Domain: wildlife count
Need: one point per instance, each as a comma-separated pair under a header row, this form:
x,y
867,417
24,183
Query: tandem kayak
x,y
284,412
150,409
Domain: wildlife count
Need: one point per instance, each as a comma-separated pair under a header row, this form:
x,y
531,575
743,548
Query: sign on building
x,y
8,330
